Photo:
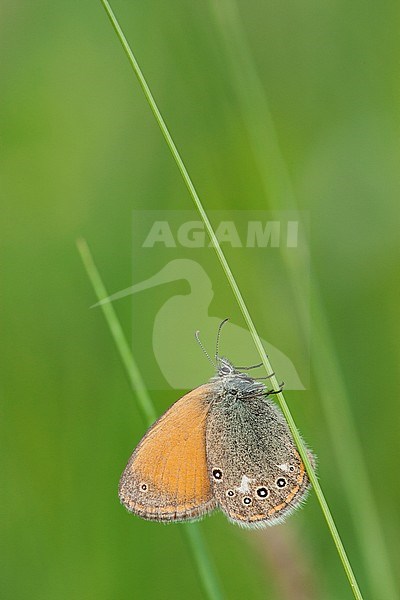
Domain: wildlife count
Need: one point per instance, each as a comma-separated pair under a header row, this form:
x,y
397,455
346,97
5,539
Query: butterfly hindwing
x,y
256,473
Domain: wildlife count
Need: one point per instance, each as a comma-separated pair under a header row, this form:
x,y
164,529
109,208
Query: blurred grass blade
x,y
143,399
278,189
192,531
257,341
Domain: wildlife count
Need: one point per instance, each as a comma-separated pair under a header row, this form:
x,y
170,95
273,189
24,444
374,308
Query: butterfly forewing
x,y
256,473
166,477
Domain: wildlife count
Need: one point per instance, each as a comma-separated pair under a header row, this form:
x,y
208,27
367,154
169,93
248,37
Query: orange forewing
x,y
166,477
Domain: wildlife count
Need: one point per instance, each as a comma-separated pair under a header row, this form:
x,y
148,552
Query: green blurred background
x,y
80,150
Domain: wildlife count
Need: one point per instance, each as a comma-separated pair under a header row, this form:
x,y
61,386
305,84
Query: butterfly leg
x,y
281,386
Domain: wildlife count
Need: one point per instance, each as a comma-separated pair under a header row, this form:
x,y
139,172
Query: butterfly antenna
x,y
218,336
197,335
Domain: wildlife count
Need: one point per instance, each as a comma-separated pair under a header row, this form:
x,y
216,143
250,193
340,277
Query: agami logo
x,y
192,234
176,288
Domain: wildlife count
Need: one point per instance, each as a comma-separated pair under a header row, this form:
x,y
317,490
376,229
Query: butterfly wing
x,y
256,473
166,478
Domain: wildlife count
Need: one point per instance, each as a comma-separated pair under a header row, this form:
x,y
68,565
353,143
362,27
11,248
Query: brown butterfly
x,y
223,445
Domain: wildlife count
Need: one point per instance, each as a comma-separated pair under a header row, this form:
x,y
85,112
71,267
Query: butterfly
x,y
223,445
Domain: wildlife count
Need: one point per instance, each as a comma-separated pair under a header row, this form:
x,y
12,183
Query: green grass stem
x,y
242,304
193,535
144,402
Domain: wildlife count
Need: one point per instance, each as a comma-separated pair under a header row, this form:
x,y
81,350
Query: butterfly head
x,y
235,382
225,368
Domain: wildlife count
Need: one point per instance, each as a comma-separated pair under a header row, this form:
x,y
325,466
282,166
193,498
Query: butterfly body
x,y
223,445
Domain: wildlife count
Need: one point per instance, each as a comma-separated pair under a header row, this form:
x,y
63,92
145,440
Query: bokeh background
x,y
80,150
